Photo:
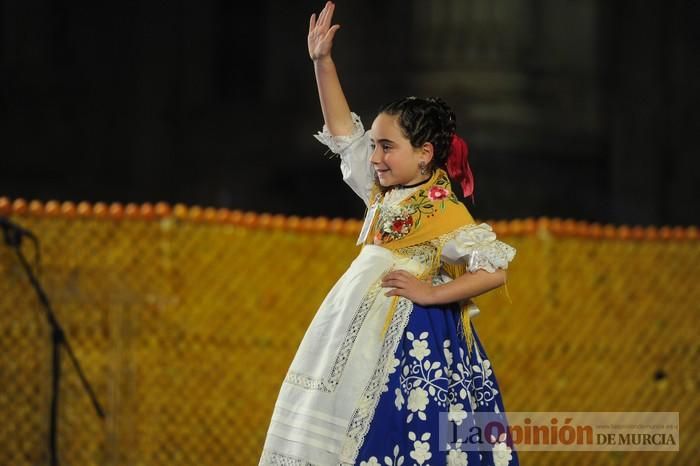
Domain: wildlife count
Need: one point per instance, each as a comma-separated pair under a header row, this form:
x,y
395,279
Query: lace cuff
x,y
338,144
480,249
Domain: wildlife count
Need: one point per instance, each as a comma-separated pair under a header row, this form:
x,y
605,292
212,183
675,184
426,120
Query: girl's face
x,y
394,159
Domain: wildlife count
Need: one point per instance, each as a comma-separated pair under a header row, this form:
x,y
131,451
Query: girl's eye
x,y
385,147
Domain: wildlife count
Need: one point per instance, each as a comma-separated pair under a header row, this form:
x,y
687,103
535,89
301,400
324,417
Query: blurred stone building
x,y
576,108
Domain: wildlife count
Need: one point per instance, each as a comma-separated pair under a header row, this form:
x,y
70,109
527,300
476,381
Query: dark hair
x,y
425,120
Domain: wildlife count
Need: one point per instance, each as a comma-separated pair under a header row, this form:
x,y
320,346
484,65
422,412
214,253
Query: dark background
x,y
573,108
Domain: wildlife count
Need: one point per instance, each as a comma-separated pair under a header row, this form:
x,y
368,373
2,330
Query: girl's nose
x,y
376,156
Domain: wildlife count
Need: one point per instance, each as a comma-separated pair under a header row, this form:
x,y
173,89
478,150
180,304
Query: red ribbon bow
x,y
458,166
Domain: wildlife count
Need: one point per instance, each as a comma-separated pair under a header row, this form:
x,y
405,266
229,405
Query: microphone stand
x,y
13,237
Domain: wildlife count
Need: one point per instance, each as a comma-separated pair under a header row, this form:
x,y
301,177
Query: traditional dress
x,y
375,376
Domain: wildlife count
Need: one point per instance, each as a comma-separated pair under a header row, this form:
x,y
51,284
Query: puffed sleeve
x,y
478,247
354,151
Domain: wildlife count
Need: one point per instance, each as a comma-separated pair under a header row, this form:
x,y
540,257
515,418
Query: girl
x,y
390,371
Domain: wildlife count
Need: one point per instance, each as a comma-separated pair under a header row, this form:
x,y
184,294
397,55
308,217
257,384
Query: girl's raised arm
x,y
336,112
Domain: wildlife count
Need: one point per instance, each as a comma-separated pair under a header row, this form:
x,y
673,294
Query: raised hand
x,y
321,33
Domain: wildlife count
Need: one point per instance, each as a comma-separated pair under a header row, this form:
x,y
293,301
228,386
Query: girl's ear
x,y
427,151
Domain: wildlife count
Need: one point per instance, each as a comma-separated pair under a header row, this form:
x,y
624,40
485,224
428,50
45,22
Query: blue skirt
x,y
432,409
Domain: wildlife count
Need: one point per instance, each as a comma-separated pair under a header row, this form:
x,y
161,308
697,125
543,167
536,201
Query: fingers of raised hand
x,y
322,16
327,14
331,32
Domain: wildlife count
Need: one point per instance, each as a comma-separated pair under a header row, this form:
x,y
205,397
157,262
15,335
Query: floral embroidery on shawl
x,y
395,222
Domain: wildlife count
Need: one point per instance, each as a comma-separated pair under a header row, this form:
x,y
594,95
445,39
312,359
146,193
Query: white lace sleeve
x,y
354,151
478,247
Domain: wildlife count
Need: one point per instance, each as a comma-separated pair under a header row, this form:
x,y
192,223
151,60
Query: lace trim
x,y
481,249
397,195
363,415
329,383
338,144
272,458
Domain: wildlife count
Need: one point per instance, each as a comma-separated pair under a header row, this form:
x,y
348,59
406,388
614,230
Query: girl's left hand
x,y
406,285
